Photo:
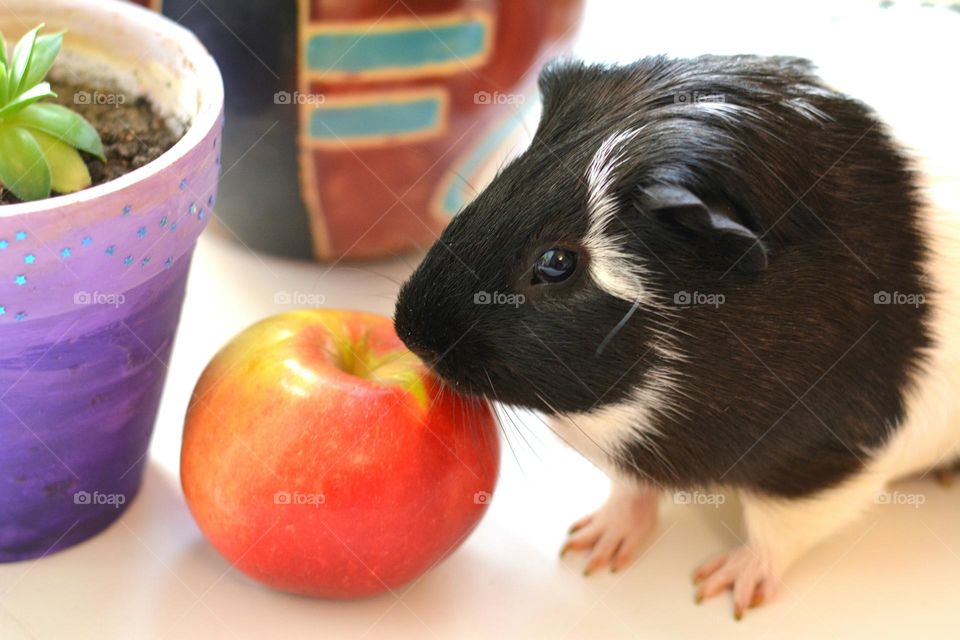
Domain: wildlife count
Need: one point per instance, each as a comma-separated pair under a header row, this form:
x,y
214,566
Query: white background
x,y
893,574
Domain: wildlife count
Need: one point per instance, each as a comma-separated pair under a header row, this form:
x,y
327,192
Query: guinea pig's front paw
x,y
614,534
745,571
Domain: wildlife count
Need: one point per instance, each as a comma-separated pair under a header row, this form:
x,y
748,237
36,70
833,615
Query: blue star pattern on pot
x,y
27,273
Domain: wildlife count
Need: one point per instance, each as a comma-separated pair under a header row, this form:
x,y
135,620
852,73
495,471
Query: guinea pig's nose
x,y
423,352
405,325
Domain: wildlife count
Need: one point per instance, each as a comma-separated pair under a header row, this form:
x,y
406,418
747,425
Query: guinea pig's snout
x,y
425,352
436,324
413,328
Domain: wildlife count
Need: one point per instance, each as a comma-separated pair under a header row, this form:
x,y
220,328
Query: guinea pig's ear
x,y
709,230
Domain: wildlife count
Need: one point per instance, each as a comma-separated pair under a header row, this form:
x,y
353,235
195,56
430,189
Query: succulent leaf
x,y
45,51
3,69
61,123
68,171
20,62
3,83
23,169
25,99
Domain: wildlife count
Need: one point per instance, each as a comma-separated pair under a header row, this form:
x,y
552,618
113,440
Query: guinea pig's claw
x,y
738,611
614,535
945,478
742,571
579,524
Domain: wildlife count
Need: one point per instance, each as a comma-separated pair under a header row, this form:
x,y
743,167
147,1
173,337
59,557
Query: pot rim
x,y
152,25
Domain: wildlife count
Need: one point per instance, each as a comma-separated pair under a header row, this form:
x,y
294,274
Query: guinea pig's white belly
x,y
597,435
930,434
600,434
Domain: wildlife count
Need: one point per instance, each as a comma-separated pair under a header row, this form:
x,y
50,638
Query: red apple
x,y
320,457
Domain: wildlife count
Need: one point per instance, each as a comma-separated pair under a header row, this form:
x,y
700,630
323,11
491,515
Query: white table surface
x,y
152,575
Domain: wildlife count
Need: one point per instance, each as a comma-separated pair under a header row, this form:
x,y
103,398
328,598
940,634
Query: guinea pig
x,y
707,272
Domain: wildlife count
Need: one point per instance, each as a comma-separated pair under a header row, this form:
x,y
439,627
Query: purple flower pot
x,y
91,285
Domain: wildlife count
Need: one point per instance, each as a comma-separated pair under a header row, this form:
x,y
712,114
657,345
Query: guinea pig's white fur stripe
x,y
807,110
600,434
725,111
612,268
600,174
616,271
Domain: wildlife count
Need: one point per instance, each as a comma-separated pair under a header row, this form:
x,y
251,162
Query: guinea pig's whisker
x,y
483,432
619,326
508,416
515,411
518,426
466,182
438,396
501,423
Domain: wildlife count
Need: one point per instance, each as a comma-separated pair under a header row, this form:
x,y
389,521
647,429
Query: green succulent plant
x,y
39,141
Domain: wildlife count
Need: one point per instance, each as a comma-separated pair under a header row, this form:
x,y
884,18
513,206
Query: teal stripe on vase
x,y
331,123
355,51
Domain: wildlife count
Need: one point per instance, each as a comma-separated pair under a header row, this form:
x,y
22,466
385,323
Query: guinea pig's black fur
x,y
778,206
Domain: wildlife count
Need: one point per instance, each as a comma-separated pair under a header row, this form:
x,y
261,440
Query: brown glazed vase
x,y
355,128
405,106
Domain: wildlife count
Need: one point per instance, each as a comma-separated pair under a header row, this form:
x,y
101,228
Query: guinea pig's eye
x,y
555,265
